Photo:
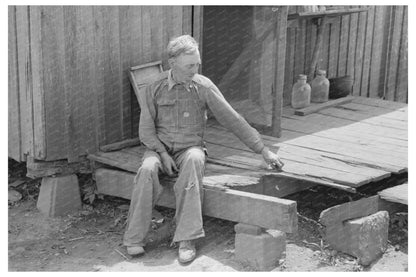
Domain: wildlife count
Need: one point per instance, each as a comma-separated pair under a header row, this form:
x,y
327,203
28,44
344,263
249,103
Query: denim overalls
x,y
180,122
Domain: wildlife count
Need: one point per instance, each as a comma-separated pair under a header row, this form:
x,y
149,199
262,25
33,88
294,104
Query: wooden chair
x,y
142,75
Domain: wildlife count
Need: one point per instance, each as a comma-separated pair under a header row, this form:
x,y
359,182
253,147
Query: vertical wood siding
x,y
69,90
68,87
371,46
14,129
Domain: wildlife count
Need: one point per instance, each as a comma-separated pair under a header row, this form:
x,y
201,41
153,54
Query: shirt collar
x,y
172,82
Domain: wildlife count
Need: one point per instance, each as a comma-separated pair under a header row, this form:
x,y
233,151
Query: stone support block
x,y
59,195
364,238
261,250
248,229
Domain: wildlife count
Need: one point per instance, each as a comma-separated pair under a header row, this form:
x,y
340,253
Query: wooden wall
x,y
68,85
370,46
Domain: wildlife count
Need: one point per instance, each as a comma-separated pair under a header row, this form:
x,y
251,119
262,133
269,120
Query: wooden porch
x,y
344,147
347,145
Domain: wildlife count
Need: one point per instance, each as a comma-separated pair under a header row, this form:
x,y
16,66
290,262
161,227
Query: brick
x,y
59,195
261,251
364,238
248,229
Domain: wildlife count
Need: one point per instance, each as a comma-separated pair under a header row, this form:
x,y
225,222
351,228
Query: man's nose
x,y
194,70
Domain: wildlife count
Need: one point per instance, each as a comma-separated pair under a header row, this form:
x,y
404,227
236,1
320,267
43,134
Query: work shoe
x,y
135,250
187,251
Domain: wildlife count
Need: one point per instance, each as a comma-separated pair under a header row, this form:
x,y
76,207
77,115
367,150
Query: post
x,y
197,25
279,69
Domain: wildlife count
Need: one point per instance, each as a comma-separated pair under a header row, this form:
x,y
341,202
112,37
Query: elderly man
x,y
172,124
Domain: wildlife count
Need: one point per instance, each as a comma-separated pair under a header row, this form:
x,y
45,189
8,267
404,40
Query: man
x,y
172,124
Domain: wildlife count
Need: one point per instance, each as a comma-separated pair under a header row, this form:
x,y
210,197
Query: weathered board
x,y
69,71
397,194
289,66
24,84
321,165
323,145
376,68
321,122
401,94
279,72
254,209
356,132
367,51
334,217
61,54
359,54
394,49
349,210
400,115
390,105
302,127
334,46
14,129
373,120
37,88
352,42
343,45
317,107
393,164
120,145
330,156
141,75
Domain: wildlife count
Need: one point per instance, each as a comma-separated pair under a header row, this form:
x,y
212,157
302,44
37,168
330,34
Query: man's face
x,y
185,66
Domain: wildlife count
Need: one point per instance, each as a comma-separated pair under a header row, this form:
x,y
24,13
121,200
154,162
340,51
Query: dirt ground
x,y
91,239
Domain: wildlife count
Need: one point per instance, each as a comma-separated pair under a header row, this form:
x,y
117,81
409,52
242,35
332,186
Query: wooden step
x,y
397,194
239,206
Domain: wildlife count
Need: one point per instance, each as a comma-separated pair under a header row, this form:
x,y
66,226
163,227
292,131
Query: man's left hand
x,y
272,159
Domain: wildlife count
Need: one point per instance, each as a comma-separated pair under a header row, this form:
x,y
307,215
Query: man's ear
x,y
171,62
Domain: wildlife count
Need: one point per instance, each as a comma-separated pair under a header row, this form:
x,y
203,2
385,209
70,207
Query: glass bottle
x,y
301,93
320,87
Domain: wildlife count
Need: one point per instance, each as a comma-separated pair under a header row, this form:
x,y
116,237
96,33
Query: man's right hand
x,y
169,166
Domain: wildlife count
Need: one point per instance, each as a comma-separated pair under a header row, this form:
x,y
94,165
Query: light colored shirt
x,y
173,116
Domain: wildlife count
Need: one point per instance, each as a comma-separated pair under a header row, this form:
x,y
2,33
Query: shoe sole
x,y
186,262
136,254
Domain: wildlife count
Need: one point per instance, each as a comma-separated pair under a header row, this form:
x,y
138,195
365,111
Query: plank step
x,y
397,194
317,107
239,206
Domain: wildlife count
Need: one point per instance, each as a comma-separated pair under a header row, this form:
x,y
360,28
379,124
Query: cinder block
x,y
59,195
248,229
364,238
261,251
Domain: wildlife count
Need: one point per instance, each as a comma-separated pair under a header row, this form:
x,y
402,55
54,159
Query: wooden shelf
x,y
327,13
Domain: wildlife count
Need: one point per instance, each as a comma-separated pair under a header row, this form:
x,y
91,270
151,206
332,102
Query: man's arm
x,y
147,129
233,121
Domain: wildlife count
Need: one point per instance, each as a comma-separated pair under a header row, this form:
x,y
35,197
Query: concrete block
x,y
262,251
59,195
248,229
364,238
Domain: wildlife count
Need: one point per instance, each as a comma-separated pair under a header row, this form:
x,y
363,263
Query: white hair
x,y
182,44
